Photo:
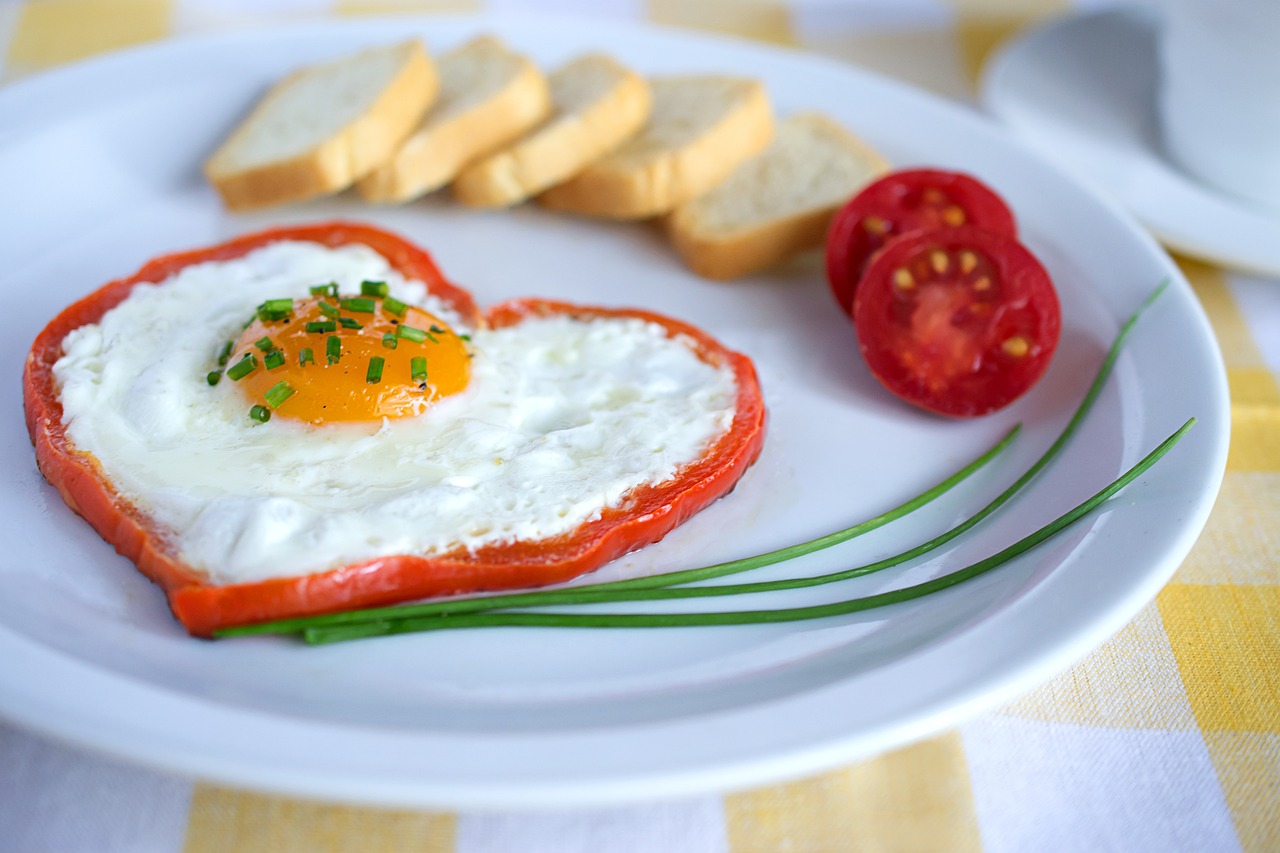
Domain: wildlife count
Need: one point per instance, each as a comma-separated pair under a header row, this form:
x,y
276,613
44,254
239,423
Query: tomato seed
x,y
1016,347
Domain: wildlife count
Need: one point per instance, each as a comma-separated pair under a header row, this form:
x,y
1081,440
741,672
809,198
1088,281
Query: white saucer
x,y
1082,90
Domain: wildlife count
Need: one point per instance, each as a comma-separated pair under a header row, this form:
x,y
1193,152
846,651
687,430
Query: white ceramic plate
x,y
1082,90
101,166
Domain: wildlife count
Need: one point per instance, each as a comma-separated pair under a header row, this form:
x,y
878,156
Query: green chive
x,y
374,288
275,309
349,323
278,393
213,377
465,337
321,326
224,354
273,359
261,414
410,333
358,304
333,349
389,340
330,289
328,310
243,367
374,374
418,368
264,344
394,306
306,356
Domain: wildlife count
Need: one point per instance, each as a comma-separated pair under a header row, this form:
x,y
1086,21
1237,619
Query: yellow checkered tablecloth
x,y
1166,738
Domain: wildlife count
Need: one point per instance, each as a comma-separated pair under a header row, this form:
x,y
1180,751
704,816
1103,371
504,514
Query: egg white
x,y
562,418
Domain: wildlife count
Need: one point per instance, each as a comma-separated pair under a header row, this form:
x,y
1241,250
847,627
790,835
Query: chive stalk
x,y
321,326
390,341
418,368
411,333
374,288
306,356
394,306
261,414
374,374
333,349
358,304
278,393
243,367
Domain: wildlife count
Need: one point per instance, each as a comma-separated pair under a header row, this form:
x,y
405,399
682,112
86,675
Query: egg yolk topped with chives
x,y
333,359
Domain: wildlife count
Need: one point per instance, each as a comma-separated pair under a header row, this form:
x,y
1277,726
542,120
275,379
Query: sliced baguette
x,y
597,104
701,129
489,96
321,128
776,204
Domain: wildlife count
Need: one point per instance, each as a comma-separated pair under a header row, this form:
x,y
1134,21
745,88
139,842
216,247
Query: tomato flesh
x,y
959,321
899,203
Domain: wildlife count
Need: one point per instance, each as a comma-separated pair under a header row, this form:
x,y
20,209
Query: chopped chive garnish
x,y
224,354
330,289
243,367
333,349
278,393
275,309
264,344
410,333
328,310
374,288
465,337
261,414
358,304
273,359
374,374
436,329
418,368
390,341
306,356
213,377
321,326
394,306
349,323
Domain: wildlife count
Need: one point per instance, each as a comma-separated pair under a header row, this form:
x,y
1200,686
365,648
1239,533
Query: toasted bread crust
x,y
563,146
336,162
437,151
623,185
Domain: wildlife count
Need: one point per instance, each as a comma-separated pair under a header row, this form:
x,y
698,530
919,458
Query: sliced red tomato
x,y
960,321
646,515
901,202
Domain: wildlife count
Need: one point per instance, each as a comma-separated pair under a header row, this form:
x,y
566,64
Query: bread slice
x,y
321,128
597,104
489,96
776,204
701,129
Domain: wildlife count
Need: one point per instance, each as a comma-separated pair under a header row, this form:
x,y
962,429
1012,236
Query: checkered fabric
x,y
1165,739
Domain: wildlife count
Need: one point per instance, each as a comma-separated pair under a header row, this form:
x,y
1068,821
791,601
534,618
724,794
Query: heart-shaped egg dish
x,y
312,419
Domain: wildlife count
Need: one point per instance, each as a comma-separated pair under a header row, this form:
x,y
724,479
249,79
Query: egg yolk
x,y
330,359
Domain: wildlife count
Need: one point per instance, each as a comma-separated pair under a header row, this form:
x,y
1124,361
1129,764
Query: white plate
x,y
102,162
1082,90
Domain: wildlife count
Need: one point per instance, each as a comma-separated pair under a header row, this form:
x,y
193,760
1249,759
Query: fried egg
x,y
279,441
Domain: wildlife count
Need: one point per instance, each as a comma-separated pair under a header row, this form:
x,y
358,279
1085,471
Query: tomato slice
x,y
960,321
900,202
